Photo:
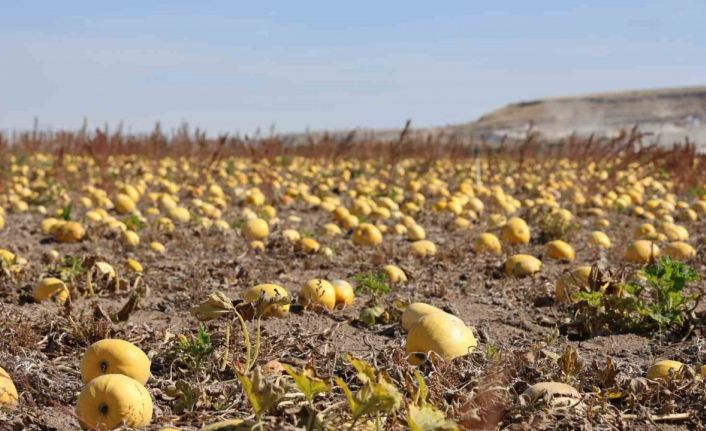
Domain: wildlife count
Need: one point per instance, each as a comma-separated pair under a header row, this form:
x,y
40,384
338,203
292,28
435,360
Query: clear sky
x,y
232,66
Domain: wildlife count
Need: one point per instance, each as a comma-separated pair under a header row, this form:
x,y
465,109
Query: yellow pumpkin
x,y
645,230
416,233
256,230
642,251
7,256
8,392
268,294
679,250
422,248
560,250
179,214
51,288
319,292
157,247
124,204
521,265
516,231
439,333
309,245
662,369
112,400
367,234
48,225
344,292
134,266
291,235
68,232
599,239
332,229
415,311
131,238
487,243
113,356
674,232
257,245
395,274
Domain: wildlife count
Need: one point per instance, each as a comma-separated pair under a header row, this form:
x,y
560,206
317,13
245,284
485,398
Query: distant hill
x,y
670,115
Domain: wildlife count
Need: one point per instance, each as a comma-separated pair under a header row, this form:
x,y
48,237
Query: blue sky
x,y
229,66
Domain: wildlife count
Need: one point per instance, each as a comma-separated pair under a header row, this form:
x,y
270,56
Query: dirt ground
x,y
41,344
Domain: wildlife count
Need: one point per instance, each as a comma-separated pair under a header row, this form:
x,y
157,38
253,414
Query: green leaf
x,y
420,397
373,283
377,395
261,394
366,372
66,212
353,403
187,396
309,384
428,418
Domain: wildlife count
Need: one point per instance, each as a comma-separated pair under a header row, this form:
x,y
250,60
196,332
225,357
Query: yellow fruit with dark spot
x,y
318,292
309,245
68,232
521,265
268,297
663,369
113,356
113,400
257,245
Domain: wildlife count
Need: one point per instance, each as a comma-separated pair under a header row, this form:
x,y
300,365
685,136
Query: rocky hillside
x,y
670,115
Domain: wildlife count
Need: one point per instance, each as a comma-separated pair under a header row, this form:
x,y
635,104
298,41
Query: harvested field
x,y
197,197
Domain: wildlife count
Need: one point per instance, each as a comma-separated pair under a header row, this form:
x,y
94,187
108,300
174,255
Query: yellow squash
x,y
439,333
113,356
112,400
318,292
